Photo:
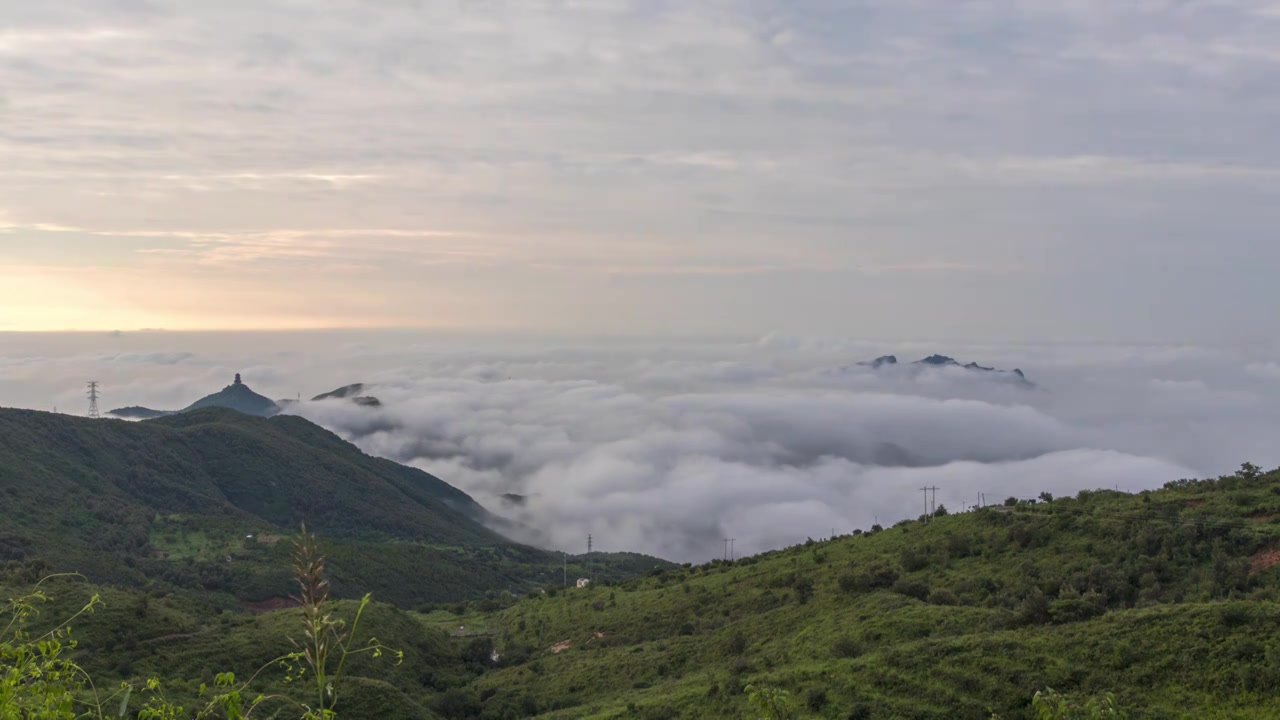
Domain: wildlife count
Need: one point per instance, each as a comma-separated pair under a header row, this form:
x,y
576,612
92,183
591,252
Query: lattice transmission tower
x,y
93,400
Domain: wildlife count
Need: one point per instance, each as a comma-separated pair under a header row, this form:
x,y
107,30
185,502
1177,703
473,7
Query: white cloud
x,y
668,446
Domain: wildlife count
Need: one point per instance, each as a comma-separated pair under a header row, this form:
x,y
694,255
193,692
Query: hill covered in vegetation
x,y
201,500
1168,600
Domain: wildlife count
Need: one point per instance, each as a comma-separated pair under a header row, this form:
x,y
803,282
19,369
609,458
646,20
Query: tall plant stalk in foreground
x,y
324,637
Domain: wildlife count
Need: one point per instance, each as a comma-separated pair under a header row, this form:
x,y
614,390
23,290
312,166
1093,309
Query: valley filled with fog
x,y
668,446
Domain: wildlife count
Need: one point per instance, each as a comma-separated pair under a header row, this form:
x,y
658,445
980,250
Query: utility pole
x,y
933,505
591,562
925,490
726,549
733,553
93,400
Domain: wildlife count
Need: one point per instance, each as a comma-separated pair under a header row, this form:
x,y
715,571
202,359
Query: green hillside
x,y
200,501
1170,600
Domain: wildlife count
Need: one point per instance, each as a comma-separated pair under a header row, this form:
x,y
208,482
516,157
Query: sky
x,y
667,446
977,170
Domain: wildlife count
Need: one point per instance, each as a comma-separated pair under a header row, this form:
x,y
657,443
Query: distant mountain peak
x,y
238,396
353,392
881,361
941,361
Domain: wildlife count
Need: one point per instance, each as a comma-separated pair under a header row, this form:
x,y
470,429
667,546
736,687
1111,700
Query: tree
x,y
1249,471
773,703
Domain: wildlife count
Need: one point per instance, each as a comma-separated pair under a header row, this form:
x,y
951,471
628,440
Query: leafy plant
x,y
773,703
37,679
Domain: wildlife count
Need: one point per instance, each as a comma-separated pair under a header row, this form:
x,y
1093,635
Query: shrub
x,y
1034,609
1071,606
913,560
875,576
815,699
943,596
911,588
804,590
846,647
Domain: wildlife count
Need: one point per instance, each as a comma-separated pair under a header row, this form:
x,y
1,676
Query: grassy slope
x,y
172,500
981,615
1149,596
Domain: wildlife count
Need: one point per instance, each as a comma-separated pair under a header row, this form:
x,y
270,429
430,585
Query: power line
x,y
93,400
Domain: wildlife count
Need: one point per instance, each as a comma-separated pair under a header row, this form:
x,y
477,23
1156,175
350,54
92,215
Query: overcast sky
x,y
981,169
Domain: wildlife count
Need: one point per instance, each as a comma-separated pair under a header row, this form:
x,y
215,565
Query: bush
x,y
913,560
804,590
737,644
1034,609
846,647
943,596
848,583
815,699
911,588
875,576
959,546
456,704
1071,606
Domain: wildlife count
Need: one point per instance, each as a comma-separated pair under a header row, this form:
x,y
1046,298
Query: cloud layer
x,y
667,447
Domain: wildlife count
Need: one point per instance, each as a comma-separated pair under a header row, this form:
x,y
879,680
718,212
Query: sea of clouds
x,y
668,446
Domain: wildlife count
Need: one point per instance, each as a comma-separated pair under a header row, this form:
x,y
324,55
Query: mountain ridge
x,y
175,500
939,361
